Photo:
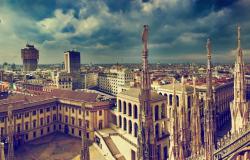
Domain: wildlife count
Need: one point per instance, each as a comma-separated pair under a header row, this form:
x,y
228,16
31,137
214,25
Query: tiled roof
x,y
74,95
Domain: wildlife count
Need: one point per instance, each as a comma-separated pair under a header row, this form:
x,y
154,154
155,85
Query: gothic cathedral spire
x,y
10,155
195,124
239,109
209,119
146,137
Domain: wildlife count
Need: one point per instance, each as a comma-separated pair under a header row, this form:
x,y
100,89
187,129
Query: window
x,y
1,119
48,109
80,133
100,113
26,114
2,131
41,111
87,113
54,127
73,120
41,132
48,129
135,112
48,117
26,125
54,117
72,131
87,124
80,111
18,127
80,122
60,117
54,107
66,109
60,127
34,134
66,119
41,121
34,123
18,116
73,111
34,113
26,136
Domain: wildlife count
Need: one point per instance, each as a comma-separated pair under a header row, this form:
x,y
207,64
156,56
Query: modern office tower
x,y
30,56
72,61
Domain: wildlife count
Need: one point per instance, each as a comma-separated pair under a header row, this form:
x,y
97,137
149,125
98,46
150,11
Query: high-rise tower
x,y
10,132
146,138
30,56
72,61
239,108
209,109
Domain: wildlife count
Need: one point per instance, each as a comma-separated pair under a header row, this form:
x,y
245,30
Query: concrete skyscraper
x,y
72,61
30,56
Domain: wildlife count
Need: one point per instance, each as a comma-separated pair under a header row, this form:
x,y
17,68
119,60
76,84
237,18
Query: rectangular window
x,y
80,133
54,117
48,129
41,132
60,117
34,123
27,137
2,131
34,113
54,107
48,109
80,111
26,114
34,134
18,127
72,131
66,109
100,113
1,119
41,121
41,111
26,125
66,119
73,111
87,113
18,116
80,122
73,120
48,117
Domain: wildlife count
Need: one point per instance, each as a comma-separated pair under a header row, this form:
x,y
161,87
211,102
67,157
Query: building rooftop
x,y
135,92
21,101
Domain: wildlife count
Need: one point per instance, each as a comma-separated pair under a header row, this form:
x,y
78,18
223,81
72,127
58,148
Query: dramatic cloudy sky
x,y
107,31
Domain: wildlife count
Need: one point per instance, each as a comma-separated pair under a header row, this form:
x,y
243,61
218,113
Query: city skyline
x,y
107,31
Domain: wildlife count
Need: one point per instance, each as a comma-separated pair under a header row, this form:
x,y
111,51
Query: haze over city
x,y
107,31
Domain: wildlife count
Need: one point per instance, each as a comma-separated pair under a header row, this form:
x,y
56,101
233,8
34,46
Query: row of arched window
x,y
127,125
122,107
170,99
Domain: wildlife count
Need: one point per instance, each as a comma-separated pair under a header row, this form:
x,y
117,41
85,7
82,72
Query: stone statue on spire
x,y
145,37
